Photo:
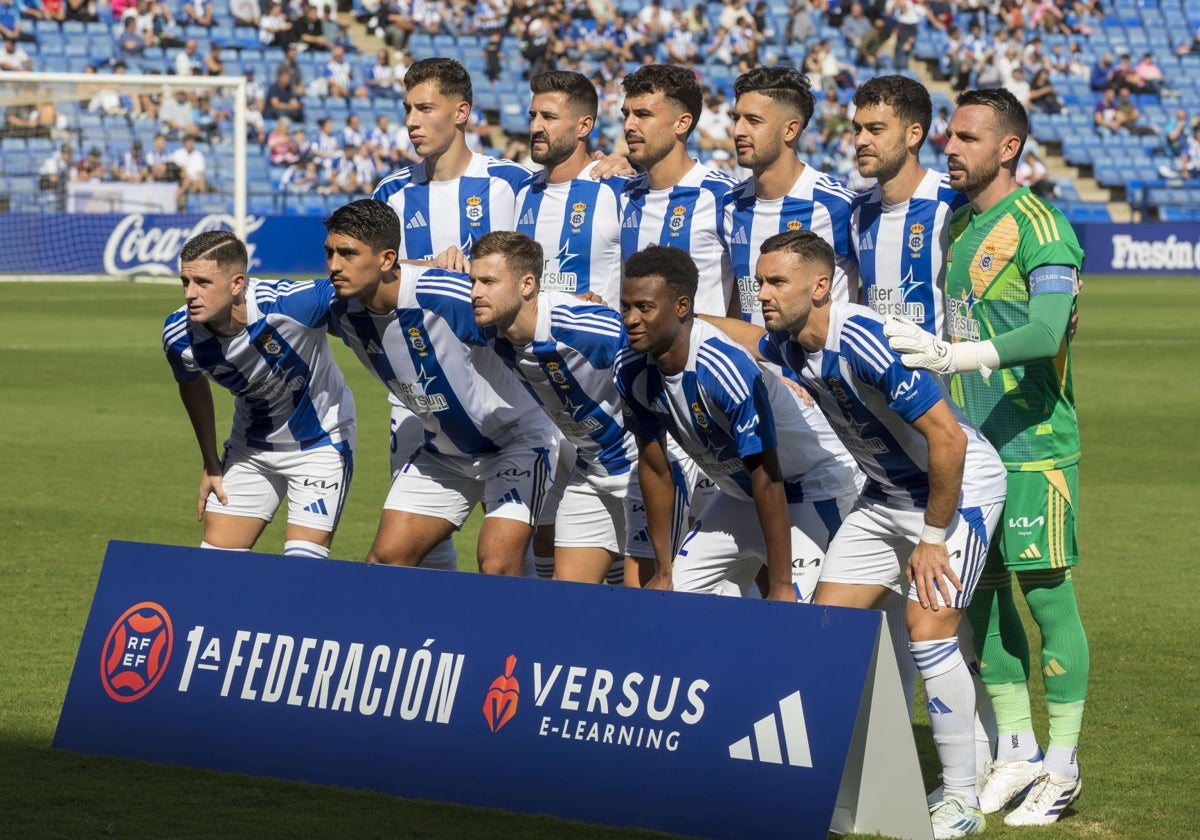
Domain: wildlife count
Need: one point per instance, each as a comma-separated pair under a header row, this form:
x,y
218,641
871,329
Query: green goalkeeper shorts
x,y
1038,529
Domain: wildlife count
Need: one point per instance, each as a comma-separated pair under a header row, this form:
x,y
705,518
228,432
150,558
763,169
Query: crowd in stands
x,y
328,119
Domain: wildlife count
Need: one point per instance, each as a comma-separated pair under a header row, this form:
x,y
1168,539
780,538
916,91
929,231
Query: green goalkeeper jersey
x,y
1027,411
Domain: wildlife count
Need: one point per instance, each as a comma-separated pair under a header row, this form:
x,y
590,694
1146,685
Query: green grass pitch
x,y
96,447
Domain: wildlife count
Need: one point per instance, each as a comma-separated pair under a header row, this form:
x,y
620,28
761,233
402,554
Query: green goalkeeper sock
x,y
1065,658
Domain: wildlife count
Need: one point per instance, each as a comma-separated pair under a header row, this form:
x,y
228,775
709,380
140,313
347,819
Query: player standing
x,y
772,108
293,422
676,201
933,496
784,484
575,218
484,437
1011,283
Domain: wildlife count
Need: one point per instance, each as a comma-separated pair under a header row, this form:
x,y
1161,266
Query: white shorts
x,y
512,484
315,482
563,475
592,512
725,548
406,437
875,540
637,543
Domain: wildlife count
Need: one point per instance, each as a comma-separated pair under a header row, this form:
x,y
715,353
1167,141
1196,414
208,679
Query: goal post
x,y
75,202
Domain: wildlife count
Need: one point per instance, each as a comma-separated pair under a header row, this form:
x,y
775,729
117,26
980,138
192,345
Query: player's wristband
x,y
933,535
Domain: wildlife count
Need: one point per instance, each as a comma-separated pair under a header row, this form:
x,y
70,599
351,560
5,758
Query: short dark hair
x,y
522,254
451,78
782,84
221,246
676,268
672,81
368,221
907,97
1010,113
581,94
805,244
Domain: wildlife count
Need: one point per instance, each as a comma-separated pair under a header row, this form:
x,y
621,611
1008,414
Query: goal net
x,y
106,175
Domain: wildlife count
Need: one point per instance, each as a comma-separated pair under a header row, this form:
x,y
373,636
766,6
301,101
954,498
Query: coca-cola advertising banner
x,y
526,695
128,244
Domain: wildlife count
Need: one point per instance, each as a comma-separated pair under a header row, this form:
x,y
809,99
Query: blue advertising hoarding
x,y
508,693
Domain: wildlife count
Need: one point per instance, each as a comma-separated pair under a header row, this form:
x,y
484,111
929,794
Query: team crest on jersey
x,y
839,393
554,370
678,215
578,215
916,238
700,415
474,209
987,256
415,339
270,345
794,225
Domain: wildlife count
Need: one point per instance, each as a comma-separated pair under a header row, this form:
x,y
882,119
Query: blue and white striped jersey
x,y
815,202
871,399
568,368
688,217
430,355
723,408
578,225
902,250
289,394
438,214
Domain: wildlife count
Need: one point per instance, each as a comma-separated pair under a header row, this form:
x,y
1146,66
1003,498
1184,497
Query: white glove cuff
x,y
970,356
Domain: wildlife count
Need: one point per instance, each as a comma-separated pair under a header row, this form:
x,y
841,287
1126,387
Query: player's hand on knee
x,y
930,572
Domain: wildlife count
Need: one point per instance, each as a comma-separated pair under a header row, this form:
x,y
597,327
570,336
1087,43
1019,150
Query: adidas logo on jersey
x,y
1031,553
317,507
937,707
631,222
528,218
739,238
373,349
763,744
866,243
417,221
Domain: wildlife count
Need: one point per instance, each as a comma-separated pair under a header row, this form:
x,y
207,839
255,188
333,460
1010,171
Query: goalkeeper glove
x,y
920,349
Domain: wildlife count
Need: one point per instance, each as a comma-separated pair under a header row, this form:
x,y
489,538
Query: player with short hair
x,y
935,488
574,217
484,438
900,227
675,201
1011,284
563,349
900,230
784,482
293,423
772,108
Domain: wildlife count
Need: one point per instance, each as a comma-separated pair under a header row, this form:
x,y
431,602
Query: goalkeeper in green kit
x,y
1011,281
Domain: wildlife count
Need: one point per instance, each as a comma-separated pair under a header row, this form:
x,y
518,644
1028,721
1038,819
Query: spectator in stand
x,y
291,64
157,24
1175,135
1189,162
397,24
177,116
989,71
256,126
281,150
1076,62
55,10
427,17
1191,47
214,65
192,166
254,88
92,167
309,30
352,132
14,58
56,171
870,49
490,16
209,119
1032,173
198,13
1125,77
1105,115
188,61
1150,74
339,76
937,129
907,17
1020,88
382,80
159,161
119,8
326,146
1101,77
714,128
133,168
493,66
696,21
282,101
129,46
40,120
347,178
479,132
274,29
1042,94
1130,115
301,177
855,26
82,10
245,12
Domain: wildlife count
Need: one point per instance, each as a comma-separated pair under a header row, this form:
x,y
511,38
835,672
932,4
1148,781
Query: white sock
x,y
985,715
616,573
304,548
544,566
442,556
1061,761
894,607
951,701
1018,746
203,544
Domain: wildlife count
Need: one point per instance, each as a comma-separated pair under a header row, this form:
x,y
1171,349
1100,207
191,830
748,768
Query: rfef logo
x,y
136,652
500,704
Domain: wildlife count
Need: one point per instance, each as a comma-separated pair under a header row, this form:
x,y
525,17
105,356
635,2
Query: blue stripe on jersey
x,y
676,229
417,223
304,423
257,424
454,421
